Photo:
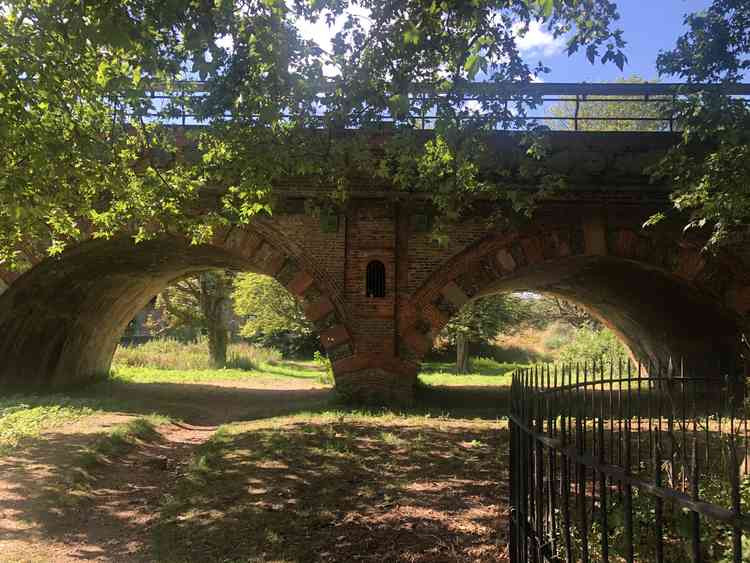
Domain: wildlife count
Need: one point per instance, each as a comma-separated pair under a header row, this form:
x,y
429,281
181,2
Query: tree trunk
x,y
216,305
462,353
218,340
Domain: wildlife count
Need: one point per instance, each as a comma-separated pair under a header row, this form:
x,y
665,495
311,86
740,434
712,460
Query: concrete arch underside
x,y
61,321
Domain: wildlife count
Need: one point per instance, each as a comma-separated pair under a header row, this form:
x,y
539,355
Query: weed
x,y
326,376
120,440
391,439
487,372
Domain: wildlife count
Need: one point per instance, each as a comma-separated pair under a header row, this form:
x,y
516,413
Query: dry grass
x,y
538,345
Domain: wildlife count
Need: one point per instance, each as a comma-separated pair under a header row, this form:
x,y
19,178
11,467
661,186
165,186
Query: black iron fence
x,y
619,462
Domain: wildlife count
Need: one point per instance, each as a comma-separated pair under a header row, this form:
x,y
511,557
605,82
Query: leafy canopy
x,y
268,306
85,153
483,319
710,166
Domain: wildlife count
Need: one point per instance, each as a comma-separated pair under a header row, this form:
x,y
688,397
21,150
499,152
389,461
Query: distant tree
x,y
482,320
268,307
593,345
202,302
611,113
573,314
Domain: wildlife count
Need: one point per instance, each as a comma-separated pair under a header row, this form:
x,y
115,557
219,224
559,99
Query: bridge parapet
x,y
513,106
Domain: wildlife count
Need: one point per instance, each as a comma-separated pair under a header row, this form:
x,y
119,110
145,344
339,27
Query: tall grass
x,y
173,354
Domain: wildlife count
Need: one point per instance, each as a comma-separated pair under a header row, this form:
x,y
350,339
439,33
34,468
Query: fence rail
x,y
620,462
581,106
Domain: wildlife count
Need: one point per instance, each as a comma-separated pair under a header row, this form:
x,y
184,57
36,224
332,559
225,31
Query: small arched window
x,y
375,279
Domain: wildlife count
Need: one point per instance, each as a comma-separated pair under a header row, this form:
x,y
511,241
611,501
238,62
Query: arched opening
x,y
497,333
657,315
66,315
375,280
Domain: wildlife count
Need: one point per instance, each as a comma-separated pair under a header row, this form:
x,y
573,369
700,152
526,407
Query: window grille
x,y
375,279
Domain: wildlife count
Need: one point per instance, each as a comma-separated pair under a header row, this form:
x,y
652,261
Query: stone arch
x,y
657,291
61,320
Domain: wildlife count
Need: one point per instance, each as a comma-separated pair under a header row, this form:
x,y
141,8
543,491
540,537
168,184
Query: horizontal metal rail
x,y
617,461
522,88
514,105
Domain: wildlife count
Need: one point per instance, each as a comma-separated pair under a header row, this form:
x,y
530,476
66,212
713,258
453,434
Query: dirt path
x,y
352,491
108,520
53,510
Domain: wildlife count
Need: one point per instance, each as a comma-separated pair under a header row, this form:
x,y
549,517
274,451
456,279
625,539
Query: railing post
x,y
576,465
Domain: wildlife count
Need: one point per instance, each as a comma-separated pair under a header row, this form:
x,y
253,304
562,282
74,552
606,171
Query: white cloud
x,y
537,40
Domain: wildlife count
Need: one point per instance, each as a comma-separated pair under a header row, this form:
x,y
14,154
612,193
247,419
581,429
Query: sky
x,y
648,25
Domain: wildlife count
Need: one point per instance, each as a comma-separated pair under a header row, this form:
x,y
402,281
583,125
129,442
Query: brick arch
x,y
61,320
659,293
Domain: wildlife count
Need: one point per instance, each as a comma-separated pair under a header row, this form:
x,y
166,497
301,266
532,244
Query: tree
x,y
710,165
203,302
611,113
482,320
86,152
272,315
594,345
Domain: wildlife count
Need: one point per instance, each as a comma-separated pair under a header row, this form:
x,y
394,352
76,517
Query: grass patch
x,y
485,372
119,441
27,416
129,390
169,354
297,370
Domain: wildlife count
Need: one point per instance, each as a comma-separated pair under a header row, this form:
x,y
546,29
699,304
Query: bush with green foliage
x,y
588,345
273,318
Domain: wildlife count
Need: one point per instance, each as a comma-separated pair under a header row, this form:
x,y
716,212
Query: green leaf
x,y
399,105
473,64
411,35
547,6
101,73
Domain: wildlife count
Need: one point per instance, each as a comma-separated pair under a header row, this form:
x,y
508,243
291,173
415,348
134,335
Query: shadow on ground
x,y
357,485
352,489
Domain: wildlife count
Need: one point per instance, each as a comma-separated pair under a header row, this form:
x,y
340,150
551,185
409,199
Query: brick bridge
x,y
378,289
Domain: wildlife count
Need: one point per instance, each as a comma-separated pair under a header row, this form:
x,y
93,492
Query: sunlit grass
x,y
23,416
297,370
27,415
485,372
121,439
170,354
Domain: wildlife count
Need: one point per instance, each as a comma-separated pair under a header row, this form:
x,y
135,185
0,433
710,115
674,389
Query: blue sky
x,y
649,26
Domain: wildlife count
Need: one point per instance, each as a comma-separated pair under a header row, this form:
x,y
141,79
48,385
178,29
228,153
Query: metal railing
x,y
621,462
576,107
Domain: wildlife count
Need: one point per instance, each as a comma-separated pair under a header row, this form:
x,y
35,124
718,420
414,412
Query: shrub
x,y
588,345
173,354
326,376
